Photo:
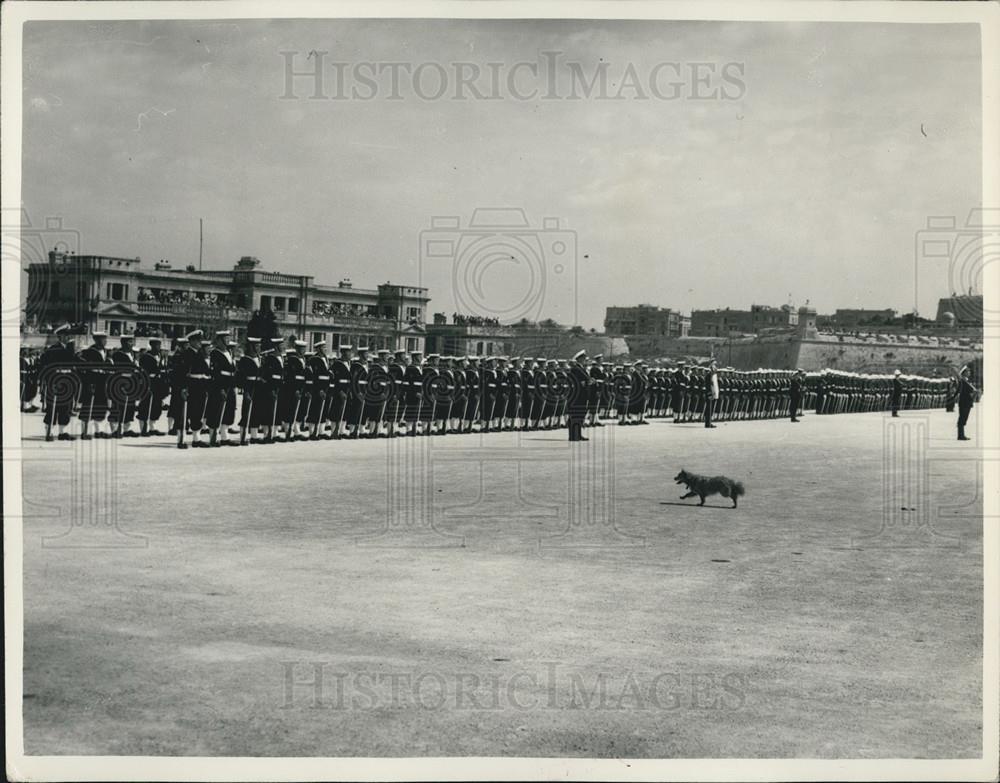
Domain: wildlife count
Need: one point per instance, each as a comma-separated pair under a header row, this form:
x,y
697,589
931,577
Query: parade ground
x,y
510,594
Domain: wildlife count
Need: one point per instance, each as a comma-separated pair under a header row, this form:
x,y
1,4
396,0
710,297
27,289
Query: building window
x,y
293,305
413,313
411,344
279,304
265,302
317,337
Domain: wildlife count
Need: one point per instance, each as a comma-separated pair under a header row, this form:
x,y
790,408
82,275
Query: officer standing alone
x,y
967,394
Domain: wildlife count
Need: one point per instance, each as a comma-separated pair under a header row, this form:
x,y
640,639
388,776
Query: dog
x,y
703,486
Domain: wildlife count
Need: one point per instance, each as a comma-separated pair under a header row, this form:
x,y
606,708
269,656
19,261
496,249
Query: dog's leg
x,y
734,501
688,495
702,500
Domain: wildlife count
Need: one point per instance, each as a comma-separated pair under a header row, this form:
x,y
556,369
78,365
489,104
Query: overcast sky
x,y
806,176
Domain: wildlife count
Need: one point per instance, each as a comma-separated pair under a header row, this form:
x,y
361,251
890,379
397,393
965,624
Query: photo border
x,y
143,768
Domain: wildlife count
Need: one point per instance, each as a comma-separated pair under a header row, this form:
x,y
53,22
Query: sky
x,y
803,174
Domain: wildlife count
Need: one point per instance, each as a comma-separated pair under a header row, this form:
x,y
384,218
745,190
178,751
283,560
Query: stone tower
x,y
807,322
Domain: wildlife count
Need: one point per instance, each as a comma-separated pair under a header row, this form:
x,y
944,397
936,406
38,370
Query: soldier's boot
x,y
48,433
213,440
961,433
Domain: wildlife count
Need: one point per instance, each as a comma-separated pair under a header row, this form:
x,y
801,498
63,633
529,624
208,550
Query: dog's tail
x,y
738,489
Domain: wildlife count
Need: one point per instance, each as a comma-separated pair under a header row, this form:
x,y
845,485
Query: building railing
x,y
336,319
277,278
193,307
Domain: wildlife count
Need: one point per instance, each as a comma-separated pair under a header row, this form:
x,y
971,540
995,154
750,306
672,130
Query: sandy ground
x,y
509,595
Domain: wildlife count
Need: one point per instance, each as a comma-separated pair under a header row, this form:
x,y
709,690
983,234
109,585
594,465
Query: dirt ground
x,y
509,595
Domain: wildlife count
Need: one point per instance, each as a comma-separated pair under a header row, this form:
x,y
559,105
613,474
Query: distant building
x,y
964,310
645,320
466,335
121,297
849,318
764,317
727,322
721,323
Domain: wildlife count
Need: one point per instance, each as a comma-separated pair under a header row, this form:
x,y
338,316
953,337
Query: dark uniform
x,y
473,396
268,393
248,378
319,369
966,399
126,387
29,380
380,391
95,368
431,396
150,407
221,412
175,378
340,375
395,409
897,394
579,399
358,395
61,386
197,374
290,402
514,399
413,377
795,395
595,393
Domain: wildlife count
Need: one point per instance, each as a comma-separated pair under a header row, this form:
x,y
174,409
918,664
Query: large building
x,y
120,296
645,320
756,320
